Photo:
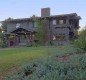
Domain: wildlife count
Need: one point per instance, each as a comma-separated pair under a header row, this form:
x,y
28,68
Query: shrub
x,y
2,40
3,45
35,44
81,41
51,68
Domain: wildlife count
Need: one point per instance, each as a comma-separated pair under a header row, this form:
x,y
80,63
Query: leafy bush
x,y
2,40
49,44
3,45
81,41
35,44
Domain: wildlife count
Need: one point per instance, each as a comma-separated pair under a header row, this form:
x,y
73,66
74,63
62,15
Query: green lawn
x,y
13,58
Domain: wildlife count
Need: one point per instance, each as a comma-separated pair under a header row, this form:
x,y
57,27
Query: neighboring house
x,y
59,29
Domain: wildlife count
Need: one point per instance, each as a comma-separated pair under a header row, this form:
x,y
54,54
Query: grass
x,y
13,58
62,63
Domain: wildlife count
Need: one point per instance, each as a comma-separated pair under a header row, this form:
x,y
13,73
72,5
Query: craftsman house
x,y
59,29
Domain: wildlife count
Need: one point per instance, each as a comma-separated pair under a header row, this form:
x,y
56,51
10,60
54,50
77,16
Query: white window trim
x,y
18,25
35,24
54,38
61,21
54,22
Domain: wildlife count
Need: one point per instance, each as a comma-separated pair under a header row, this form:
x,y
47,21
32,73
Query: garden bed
x,y
61,65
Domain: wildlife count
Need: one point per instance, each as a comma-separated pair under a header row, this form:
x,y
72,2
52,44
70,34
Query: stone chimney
x,y
45,12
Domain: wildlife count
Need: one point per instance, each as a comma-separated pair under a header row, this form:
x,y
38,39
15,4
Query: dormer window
x,y
61,21
54,22
18,25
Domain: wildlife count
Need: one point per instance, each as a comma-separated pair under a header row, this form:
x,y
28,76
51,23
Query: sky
x,y
26,8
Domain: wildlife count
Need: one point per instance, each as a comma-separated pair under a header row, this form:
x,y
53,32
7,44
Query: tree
x,y
40,28
34,18
81,41
2,32
41,31
4,24
2,40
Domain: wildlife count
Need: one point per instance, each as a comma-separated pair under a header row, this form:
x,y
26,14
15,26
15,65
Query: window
x,y
59,37
17,25
33,36
35,24
54,38
61,21
54,22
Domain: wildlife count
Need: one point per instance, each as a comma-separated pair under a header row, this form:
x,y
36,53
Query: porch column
x,y
8,41
15,42
30,36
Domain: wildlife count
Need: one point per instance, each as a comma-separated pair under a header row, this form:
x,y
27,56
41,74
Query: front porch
x,y
20,37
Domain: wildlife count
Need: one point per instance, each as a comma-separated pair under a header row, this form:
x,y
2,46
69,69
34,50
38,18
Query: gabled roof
x,y
19,29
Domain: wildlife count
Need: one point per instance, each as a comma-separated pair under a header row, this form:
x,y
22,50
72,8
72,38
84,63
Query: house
x,y
60,29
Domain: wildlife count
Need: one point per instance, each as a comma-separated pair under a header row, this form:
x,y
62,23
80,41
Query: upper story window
x,y
18,25
54,22
35,24
61,21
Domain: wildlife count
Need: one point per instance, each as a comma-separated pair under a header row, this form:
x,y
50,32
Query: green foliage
x,y
11,58
34,18
81,41
40,28
4,24
2,35
52,68
2,40
35,44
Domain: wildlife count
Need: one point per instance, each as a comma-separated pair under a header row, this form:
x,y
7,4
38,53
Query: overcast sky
x,y
26,8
